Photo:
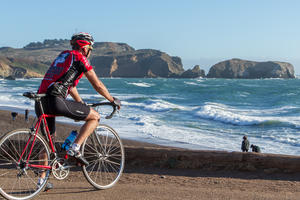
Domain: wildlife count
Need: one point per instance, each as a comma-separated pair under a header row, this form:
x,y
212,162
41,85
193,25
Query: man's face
x,y
87,50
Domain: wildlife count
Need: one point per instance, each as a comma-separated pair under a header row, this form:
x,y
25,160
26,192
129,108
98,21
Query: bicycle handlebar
x,y
105,104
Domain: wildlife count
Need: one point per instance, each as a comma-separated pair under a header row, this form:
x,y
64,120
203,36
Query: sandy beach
x,y
147,178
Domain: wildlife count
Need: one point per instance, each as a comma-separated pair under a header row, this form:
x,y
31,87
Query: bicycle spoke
x,y
9,155
114,149
34,182
99,142
99,169
3,164
105,153
39,149
93,167
15,150
109,161
17,180
116,155
91,147
88,157
4,174
107,171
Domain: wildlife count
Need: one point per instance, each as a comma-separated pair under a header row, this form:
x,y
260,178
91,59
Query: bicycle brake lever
x,y
111,115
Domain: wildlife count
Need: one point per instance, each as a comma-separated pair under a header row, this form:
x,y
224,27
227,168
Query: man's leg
x,y
77,111
91,122
86,130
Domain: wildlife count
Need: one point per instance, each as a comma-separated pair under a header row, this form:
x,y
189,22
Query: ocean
x,y
210,114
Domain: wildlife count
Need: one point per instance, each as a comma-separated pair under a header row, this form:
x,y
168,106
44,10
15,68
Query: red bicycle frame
x,y
42,119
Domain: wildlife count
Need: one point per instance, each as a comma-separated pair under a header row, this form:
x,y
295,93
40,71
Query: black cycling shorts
x,y
59,106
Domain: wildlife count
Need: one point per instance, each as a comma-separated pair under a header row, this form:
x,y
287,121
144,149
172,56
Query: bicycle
x,y
21,163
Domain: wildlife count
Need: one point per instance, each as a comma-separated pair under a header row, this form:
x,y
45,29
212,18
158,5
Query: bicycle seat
x,y
33,95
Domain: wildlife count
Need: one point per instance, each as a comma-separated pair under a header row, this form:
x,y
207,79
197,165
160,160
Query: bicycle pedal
x,y
48,187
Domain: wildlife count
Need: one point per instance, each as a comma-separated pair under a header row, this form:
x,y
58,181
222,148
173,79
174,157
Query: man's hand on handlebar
x,y
117,103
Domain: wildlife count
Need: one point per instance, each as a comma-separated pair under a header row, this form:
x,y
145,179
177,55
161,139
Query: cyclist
x,y
60,80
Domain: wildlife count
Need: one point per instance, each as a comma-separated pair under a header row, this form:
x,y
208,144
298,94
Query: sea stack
x,y
237,68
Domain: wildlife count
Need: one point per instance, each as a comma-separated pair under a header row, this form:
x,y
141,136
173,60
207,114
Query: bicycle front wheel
x,y
105,153
18,157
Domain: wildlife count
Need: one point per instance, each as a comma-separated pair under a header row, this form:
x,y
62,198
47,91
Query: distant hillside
x,y
20,68
109,59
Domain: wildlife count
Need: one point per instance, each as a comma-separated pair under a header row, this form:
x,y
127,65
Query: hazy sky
x,y
200,32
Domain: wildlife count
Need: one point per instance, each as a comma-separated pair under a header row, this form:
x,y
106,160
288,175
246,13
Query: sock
x,y
75,146
41,181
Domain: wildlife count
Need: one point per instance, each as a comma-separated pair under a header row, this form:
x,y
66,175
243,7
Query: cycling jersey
x,y
64,73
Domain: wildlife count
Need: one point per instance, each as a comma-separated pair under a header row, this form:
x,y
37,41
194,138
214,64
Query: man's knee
x,y
93,115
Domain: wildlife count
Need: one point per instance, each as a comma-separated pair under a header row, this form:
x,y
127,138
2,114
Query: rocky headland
x,y
121,60
109,59
237,68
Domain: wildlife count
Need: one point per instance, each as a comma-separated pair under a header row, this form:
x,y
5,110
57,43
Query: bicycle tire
x,y
18,181
105,153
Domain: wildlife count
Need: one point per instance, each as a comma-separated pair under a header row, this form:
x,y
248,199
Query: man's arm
x,y
75,95
98,85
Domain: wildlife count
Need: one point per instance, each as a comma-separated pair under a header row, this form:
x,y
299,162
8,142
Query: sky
x,y
200,32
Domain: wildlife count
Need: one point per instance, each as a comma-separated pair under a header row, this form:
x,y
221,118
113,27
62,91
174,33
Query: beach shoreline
x,y
161,172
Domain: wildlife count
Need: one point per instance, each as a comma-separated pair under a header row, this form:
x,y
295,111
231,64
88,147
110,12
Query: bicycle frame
x,y
41,119
28,157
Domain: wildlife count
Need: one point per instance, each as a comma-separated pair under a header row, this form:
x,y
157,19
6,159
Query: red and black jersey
x,y
64,73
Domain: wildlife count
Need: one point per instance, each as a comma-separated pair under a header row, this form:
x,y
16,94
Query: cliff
x,y
109,59
237,68
140,63
193,73
20,68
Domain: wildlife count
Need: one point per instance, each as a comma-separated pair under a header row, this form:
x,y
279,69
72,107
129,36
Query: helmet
x,y
82,39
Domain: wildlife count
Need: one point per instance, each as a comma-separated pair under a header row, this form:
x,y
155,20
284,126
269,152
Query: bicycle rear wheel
x,y
105,153
18,180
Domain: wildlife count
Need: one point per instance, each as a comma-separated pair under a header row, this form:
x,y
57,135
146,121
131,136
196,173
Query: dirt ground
x,y
168,184
148,184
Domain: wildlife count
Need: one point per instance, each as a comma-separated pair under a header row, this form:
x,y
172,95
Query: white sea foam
x,y
151,127
141,84
21,102
200,80
190,83
226,114
82,89
156,105
90,96
146,118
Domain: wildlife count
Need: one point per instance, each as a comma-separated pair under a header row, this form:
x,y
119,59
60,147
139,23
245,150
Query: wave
x,y
16,101
190,83
229,115
141,84
28,80
88,96
155,105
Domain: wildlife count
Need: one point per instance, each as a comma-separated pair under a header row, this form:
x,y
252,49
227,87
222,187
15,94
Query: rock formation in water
x,y
237,68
